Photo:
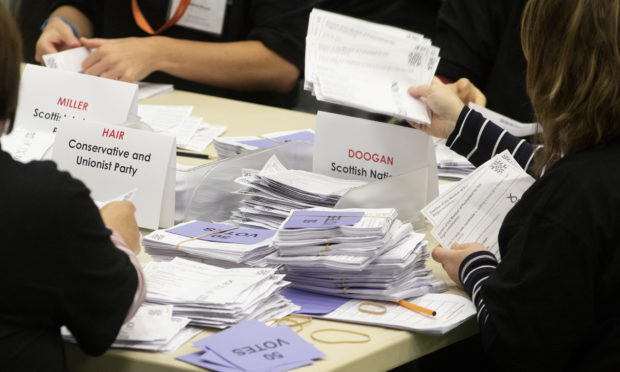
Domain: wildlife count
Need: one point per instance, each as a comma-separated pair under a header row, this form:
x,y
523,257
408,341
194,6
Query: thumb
x,y
440,254
419,91
91,43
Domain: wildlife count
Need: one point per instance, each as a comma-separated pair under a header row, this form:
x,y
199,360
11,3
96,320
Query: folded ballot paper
x,y
232,146
274,191
211,296
252,346
474,209
153,328
210,241
367,65
353,253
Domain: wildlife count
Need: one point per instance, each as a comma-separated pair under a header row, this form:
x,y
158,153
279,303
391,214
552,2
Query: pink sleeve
x,y
138,298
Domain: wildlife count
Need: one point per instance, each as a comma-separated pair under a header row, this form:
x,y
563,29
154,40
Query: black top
x,y
280,25
60,268
553,303
480,40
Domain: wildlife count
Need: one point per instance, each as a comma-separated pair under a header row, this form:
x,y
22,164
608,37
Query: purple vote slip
x,y
313,303
221,365
303,219
230,234
275,141
253,346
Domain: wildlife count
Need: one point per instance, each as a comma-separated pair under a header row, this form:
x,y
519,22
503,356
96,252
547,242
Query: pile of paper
x,y
353,253
367,65
215,297
253,346
451,165
274,191
231,146
210,241
153,328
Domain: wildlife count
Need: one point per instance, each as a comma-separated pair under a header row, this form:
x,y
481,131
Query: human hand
x,y
56,37
445,105
451,259
120,216
127,59
468,92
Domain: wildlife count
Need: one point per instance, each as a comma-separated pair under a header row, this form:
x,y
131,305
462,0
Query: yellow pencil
x,y
417,308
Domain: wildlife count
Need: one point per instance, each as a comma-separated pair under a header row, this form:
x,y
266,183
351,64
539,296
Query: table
x,y
387,349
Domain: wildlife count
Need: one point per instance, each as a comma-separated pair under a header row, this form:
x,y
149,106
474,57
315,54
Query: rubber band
x,y
202,236
368,338
361,308
293,319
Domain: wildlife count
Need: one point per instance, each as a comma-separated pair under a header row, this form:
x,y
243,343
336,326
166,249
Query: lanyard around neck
x,y
146,27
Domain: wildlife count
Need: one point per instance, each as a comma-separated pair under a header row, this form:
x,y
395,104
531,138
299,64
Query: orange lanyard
x,y
144,24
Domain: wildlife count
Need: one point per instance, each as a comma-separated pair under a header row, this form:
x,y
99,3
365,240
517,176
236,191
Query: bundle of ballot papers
x,y
353,253
451,165
211,296
253,346
210,241
275,190
152,328
367,65
230,146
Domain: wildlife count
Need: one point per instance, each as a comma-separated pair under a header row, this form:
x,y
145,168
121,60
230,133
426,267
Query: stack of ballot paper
x,y
253,346
353,253
211,296
231,146
153,328
211,241
274,191
474,208
451,165
368,66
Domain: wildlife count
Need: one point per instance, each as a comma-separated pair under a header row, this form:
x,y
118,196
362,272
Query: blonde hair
x,y
573,74
10,57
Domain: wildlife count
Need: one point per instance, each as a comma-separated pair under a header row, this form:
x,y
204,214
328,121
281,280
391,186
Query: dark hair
x,y
10,58
573,74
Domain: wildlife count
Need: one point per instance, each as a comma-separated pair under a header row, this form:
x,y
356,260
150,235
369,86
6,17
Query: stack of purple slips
x,y
253,346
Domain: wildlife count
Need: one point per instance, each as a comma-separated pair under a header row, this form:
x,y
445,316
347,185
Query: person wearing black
x,y
61,265
553,302
257,55
479,40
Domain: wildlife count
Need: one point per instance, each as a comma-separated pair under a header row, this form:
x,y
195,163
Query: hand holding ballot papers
x,y
368,66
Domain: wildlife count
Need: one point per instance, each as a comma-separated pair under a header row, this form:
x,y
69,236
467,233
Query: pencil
x,y
192,154
417,308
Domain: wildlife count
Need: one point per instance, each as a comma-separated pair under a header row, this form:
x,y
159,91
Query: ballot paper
x,y
452,310
152,328
231,146
451,165
516,128
367,65
215,297
202,136
27,145
473,210
163,117
147,90
275,190
234,244
253,346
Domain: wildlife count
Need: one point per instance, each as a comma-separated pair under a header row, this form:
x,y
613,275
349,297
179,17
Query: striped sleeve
x,y
479,139
474,270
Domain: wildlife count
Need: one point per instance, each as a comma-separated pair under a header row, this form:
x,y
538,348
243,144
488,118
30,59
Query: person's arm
x,y
243,65
58,35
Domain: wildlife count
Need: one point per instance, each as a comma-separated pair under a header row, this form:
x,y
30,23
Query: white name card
x,y
50,97
113,160
353,148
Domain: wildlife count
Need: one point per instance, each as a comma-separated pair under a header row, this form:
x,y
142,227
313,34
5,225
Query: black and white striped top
x,y
479,139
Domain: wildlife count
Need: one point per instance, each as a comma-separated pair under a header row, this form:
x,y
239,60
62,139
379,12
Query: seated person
x,y
256,55
553,302
479,40
66,263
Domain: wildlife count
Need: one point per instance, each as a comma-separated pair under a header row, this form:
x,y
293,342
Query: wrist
x,y
61,19
161,52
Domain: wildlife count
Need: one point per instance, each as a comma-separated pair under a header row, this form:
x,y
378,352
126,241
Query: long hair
x,y
10,58
573,73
